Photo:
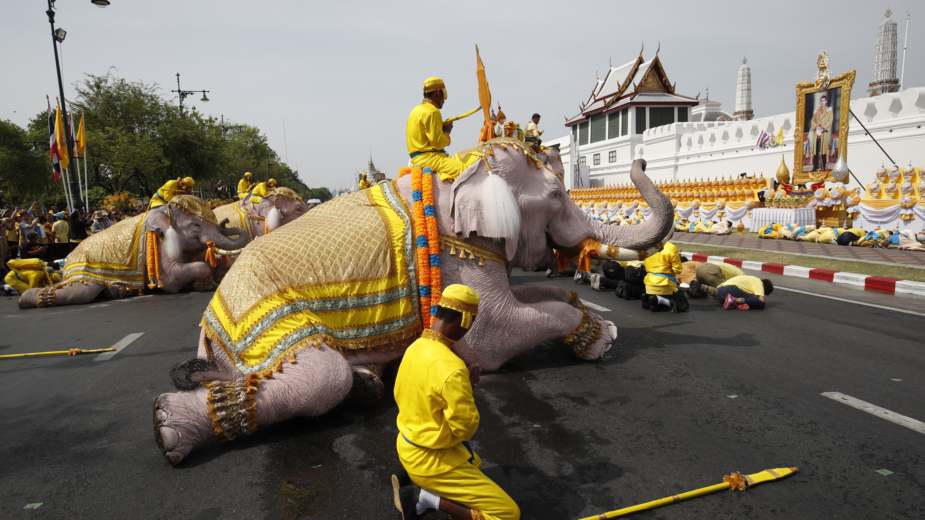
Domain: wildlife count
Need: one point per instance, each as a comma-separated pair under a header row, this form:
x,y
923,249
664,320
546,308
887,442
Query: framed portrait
x,y
821,130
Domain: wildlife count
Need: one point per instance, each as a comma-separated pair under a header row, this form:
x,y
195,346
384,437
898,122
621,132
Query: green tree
x,y
25,175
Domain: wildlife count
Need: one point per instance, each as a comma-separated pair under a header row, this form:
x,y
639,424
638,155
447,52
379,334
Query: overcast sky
x,y
343,75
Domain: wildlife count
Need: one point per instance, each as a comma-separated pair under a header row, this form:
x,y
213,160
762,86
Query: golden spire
x,y
783,174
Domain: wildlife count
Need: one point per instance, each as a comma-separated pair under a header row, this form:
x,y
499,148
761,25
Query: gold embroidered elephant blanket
x,y
112,256
342,275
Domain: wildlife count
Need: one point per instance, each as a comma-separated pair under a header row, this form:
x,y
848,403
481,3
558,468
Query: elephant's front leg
x,y
534,293
497,338
176,275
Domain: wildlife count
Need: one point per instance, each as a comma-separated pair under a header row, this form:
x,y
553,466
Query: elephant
x,y
162,248
509,209
281,206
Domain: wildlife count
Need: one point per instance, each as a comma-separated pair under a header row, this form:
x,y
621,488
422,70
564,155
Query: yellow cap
x,y
189,182
271,182
463,299
433,84
247,175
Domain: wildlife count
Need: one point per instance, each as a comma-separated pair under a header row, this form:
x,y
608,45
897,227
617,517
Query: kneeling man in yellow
x,y
744,292
427,136
171,189
437,417
709,276
662,270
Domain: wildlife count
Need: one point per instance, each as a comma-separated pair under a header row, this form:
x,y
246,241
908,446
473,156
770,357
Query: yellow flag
x,y
60,139
484,97
80,146
780,136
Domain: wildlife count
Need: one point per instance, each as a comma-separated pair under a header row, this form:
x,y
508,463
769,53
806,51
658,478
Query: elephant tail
x,y
189,374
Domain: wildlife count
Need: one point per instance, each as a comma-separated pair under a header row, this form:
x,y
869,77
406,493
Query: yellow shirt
x,y
436,408
61,229
167,192
665,262
748,283
424,131
244,186
728,270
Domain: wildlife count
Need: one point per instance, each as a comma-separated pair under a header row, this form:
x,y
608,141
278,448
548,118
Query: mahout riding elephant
x,y
313,311
163,248
256,218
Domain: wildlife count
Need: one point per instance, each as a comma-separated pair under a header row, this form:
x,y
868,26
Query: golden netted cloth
x,y
112,256
343,275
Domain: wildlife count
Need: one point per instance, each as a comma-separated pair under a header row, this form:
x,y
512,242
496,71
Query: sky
x,y
331,83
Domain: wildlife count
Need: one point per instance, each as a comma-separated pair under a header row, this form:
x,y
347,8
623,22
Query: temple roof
x,y
637,81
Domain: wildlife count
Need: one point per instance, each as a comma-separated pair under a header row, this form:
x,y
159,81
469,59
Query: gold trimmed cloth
x,y
238,214
112,256
342,275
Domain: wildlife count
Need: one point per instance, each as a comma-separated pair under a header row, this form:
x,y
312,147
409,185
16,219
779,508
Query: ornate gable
x,y
654,79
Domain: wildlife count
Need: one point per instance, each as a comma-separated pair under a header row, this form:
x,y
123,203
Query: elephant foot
x,y
181,423
595,349
29,299
368,388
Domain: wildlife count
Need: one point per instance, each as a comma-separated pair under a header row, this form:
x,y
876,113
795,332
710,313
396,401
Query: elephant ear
x,y
484,204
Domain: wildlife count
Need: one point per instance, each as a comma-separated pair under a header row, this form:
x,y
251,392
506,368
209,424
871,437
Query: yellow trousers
x,y
24,280
448,167
468,486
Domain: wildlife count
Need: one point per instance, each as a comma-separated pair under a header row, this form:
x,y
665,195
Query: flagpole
x,y
86,181
76,159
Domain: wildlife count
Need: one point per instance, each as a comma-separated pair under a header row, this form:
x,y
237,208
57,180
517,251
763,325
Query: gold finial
x,y
823,77
783,173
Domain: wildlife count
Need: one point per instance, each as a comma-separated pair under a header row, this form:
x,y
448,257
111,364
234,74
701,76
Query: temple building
x,y
885,78
743,110
629,100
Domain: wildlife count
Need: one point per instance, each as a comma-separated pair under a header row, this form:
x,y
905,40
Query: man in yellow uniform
x,y
662,270
245,185
710,275
427,136
744,292
168,191
262,189
60,229
437,416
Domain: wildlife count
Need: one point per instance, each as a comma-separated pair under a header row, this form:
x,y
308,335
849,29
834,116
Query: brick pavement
x,y
863,254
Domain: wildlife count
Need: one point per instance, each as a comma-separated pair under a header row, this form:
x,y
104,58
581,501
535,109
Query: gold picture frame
x,y
824,145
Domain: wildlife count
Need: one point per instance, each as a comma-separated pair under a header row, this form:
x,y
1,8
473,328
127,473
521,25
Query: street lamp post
x,y
67,125
183,94
57,36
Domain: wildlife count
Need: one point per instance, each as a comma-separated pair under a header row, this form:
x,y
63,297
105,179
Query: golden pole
x,y
68,352
735,481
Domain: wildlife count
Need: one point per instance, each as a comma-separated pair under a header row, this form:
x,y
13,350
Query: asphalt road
x,y
680,401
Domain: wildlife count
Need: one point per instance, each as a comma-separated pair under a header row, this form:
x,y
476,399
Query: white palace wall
x,y
682,151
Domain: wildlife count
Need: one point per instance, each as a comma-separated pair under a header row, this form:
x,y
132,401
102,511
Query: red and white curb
x,y
858,281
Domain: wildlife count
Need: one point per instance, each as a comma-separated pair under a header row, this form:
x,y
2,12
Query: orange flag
x,y
61,140
80,143
484,98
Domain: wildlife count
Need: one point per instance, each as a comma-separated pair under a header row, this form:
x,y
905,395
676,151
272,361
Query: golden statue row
x,y
731,189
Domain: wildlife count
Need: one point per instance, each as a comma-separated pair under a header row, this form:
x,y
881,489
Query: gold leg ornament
x,y
735,481
46,297
233,407
587,332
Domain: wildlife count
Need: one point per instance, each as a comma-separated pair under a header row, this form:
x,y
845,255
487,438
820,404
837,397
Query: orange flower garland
x,y
427,242
153,261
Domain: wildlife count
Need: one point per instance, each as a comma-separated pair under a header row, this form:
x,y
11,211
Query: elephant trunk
x,y
655,229
227,242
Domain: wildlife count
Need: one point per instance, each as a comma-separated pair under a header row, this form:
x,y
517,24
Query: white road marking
x,y
592,305
846,300
885,472
119,346
895,418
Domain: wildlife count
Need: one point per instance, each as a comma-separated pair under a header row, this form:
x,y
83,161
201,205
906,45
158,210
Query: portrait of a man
x,y
821,136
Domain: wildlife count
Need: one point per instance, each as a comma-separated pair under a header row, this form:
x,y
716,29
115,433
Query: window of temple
x,y
583,160
598,128
612,156
583,133
624,121
640,120
575,133
613,125
682,114
659,116
596,159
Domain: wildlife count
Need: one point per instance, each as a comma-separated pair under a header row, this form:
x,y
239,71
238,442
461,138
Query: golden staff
x,y
463,116
735,481
68,352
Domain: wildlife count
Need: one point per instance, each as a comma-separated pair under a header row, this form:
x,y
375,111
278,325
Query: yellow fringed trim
x,y
465,250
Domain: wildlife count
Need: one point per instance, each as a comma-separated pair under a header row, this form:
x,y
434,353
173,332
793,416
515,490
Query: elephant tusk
x,y
225,252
